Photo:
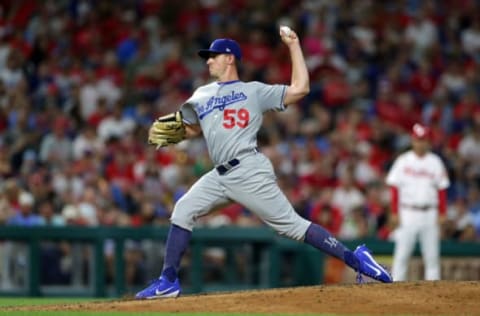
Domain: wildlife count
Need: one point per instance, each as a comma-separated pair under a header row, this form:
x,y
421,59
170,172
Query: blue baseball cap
x,y
222,46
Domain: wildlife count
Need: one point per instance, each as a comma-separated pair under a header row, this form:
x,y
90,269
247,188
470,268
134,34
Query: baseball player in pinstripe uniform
x,y
228,112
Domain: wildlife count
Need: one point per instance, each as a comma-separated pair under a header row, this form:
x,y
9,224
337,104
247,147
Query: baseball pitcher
x,y
228,113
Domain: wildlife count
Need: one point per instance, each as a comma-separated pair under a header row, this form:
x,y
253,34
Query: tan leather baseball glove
x,y
166,130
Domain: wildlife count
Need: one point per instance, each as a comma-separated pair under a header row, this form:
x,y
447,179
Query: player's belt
x,y
422,208
222,169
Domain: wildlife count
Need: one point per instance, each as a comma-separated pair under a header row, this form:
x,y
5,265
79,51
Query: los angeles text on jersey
x,y
219,102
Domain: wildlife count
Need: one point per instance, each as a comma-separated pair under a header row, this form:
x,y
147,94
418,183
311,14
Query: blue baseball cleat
x,y
160,288
369,267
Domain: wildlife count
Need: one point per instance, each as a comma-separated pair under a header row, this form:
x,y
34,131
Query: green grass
x,y
59,313
18,301
28,301
50,313
78,313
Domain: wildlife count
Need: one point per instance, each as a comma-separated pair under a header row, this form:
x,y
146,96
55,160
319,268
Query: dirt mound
x,y
425,298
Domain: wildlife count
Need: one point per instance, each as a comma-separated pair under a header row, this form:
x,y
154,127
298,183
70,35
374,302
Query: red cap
x,y
420,131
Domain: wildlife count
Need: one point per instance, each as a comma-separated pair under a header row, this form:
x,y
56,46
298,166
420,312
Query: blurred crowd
x,y
81,82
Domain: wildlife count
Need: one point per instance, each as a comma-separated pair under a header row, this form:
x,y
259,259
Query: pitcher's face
x,y
218,64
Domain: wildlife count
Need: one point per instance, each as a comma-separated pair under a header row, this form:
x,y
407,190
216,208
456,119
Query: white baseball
x,y
285,30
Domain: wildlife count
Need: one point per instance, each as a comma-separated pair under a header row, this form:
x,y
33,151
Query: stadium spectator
x,y
326,214
346,196
459,224
56,146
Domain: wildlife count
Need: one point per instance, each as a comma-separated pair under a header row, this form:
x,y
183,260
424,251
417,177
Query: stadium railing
x,y
267,251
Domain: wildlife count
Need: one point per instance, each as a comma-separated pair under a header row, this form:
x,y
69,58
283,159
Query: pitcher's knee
x,y
182,219
183,216
295,231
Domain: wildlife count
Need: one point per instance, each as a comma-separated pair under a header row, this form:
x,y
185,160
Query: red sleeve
x,y
394,199
442,202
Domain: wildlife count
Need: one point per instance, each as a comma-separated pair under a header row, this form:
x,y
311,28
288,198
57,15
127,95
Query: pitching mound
x,y
426,298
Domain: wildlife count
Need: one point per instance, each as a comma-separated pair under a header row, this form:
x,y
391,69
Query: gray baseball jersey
x,y
230,115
